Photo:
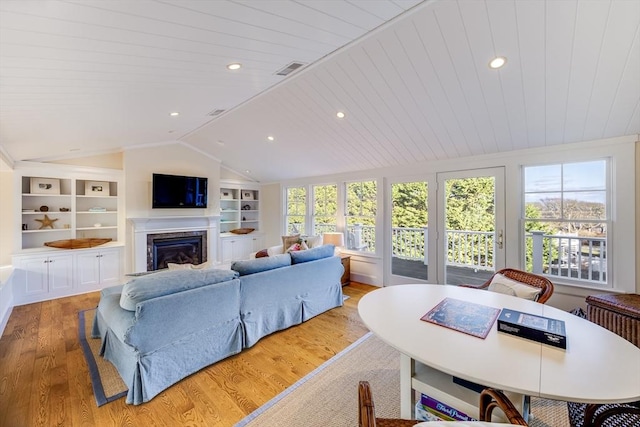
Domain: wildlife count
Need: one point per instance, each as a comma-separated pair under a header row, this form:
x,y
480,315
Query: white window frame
x,y
313,213
285,207
377,217
609,240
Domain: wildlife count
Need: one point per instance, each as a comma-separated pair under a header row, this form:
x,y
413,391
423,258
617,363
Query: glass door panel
x,y
409,253
471,225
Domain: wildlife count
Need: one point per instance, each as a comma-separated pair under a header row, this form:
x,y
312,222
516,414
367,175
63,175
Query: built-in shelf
x,y
65,200
239,207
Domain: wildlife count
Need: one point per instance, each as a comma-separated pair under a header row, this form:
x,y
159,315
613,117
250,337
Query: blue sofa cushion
x,y
257,265
324,251
169,282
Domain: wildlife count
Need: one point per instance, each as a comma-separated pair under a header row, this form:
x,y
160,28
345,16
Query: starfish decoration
x,y
46,222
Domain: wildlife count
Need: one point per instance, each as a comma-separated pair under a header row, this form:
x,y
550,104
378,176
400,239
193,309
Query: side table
x,y
346,263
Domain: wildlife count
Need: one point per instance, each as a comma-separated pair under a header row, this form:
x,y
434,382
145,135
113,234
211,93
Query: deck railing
x,y
580,258
470,249
577,257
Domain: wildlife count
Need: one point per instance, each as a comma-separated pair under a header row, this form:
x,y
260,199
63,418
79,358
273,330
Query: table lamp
x,y
335,239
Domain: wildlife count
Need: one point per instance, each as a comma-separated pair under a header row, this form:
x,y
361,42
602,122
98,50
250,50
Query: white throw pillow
x,y
275,250
173,266
314,241
504,285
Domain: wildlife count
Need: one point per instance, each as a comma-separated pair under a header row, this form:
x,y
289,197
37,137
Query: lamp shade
x,y
335,239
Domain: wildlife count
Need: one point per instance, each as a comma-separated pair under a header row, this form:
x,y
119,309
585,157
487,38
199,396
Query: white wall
x,y
107,160
270,207
7,222
638,217
369,268
174,159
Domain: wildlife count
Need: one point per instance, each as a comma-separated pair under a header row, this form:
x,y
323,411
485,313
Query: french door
x,y
471,224
445,228
410,255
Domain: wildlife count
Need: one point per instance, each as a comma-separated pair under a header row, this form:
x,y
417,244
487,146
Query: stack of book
x,y
430,409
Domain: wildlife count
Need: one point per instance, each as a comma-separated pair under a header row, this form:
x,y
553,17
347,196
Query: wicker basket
x,y
618,313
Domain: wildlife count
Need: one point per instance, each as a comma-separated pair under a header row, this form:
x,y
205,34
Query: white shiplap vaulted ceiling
x,y
104,75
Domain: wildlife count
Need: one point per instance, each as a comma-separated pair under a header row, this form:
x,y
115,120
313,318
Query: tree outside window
x,y
360,215
296,210
566,220
325,208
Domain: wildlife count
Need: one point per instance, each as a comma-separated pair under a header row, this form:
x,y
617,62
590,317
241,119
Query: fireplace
x,y
179,248
169,227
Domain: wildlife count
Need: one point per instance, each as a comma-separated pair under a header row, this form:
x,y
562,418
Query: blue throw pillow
x,y
169,282
257,265
324,251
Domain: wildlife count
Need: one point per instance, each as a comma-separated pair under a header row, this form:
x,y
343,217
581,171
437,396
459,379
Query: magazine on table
x,y
468,317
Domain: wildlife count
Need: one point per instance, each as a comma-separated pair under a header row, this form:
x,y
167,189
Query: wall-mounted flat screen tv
x,y
176,191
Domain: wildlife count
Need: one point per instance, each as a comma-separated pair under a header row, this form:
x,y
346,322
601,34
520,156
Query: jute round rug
x,y
328,397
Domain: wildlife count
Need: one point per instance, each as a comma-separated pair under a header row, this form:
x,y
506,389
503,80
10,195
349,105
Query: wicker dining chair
x,y
604,415
524,277
489,400
367,413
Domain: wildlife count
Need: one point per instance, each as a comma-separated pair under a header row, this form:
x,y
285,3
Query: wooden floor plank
x,y
44,379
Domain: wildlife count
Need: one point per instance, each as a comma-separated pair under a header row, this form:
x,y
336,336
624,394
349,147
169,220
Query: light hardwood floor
x,y
44,380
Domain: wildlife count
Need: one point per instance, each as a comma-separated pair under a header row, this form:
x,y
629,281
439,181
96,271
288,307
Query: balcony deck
x,y
455,275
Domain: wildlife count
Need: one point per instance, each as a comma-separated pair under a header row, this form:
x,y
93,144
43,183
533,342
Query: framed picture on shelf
x,y
247,195
226,195
96,188
45,186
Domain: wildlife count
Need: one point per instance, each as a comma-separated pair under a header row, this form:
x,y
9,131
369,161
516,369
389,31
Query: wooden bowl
x,y
242,230
77,243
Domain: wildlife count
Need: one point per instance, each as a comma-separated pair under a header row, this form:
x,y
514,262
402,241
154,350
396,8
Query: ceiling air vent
x,y
216,112
290,68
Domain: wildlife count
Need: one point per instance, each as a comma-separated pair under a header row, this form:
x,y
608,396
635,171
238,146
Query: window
x,y
325,208
296,210
360,215
566,218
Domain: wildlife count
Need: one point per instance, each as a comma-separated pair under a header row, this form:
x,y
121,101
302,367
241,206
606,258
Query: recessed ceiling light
x,y
175,113
340,115
497,62
234,66
270,138
247,171
221,143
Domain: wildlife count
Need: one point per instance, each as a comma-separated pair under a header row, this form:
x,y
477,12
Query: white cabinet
x,y
239,247
41,277
98,269
58,273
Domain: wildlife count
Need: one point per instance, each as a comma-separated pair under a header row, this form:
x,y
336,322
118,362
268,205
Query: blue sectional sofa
x,y
159,328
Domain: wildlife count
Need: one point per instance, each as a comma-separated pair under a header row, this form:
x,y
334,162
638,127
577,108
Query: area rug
x,y
328,396
106,382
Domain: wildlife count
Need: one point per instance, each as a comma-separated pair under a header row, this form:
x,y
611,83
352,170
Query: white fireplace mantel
x,y
141,227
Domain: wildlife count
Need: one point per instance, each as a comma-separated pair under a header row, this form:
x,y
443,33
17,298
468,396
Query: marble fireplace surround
x,y
142,227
